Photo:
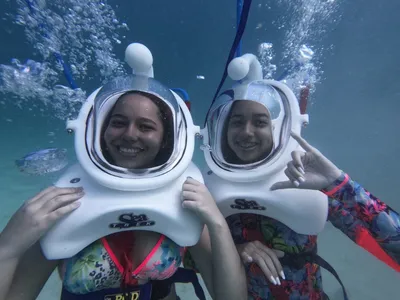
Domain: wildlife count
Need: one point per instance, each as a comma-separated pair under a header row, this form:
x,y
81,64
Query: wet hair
x,y
167,145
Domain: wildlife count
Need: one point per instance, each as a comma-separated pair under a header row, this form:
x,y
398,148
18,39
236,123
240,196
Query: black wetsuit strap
x,y
299,260
324,264
184,276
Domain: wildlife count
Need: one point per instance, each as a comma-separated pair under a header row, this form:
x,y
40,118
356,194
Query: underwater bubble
x,y
62,27
266,55
304,24
264,46
43,161
306,54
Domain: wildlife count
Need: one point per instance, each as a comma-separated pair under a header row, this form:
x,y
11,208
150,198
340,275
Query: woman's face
x,y
249,131
134,134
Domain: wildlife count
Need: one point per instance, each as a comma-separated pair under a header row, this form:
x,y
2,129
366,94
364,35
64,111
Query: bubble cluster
x,y
33,84
83,33
43,161
266,55
305,23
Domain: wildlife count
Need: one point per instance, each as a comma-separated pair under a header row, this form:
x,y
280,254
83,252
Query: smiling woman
x,y
138,132
119,223
248,132
249,129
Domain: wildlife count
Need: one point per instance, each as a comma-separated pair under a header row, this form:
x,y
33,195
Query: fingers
x,y
282,185
189,196
57,214
192,181
193,185
188,187
61,201
275,260
245,257
189,200
267,259
191,205
266,264
41,194
297,161
273,255
54,192
294,174
302,142
291,177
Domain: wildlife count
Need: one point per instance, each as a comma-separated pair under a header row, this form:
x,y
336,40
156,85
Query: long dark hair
x,y
165,115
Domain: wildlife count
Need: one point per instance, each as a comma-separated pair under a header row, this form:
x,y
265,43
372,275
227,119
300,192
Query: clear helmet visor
x,y
106,154
247,125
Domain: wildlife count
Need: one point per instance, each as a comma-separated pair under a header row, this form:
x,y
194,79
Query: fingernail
x,y
296,183
189,177
282,275
76,204
273,280
79,189
277,279
301,170
302,179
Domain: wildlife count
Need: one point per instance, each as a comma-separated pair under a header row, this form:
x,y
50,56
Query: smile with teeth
x,y
247,146
130,151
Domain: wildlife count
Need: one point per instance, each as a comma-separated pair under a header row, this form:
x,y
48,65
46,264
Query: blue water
x,y
353,117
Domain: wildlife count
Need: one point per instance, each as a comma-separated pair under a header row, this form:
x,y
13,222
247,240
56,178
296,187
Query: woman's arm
x,y
215,255
8,266
365,219
23,268
217,260
25,277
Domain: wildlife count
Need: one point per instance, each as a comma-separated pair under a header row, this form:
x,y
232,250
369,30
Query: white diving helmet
x,y
244,187
88,129
118,199
282,106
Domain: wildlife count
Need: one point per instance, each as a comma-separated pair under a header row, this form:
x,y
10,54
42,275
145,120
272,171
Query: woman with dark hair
x,y
275,223
165,117
238,150
136,134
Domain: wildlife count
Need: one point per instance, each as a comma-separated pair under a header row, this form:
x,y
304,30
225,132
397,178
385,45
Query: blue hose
x,y
238,37
66,69
239,10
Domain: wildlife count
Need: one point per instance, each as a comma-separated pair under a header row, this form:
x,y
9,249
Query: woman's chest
x,y
107,262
